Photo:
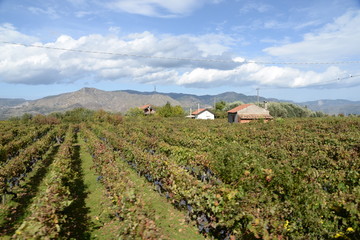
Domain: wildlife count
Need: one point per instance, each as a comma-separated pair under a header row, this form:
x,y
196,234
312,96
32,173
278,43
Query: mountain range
x,y
121,101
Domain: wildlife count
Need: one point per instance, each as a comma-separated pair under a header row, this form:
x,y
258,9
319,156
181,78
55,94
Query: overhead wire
x,y
335,80
181,59
117,54
195,59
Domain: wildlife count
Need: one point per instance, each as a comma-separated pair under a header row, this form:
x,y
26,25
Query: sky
x,y
291,50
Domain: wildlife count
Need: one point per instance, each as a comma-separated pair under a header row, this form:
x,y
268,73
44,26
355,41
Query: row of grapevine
x,y
129,208
293,179
201,200
17,168
47,211
12,148
10,131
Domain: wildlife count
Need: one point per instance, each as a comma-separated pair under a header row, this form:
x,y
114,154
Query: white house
x,y
148,109
203,113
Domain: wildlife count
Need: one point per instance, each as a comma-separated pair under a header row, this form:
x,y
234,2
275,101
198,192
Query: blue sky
x,y
189,46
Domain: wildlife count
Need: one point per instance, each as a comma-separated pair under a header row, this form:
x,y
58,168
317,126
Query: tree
x,y
277,110
232,105
220,105
103,116
78,115
26,117
42,119
289,110
134,112
169,111
220,114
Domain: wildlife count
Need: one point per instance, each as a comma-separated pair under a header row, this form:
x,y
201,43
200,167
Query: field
x,y
106,177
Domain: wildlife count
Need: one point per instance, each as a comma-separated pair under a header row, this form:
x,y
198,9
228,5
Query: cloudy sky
x,y
295,50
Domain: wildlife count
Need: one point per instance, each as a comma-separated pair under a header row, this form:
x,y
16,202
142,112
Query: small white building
x,y
148,109
203,113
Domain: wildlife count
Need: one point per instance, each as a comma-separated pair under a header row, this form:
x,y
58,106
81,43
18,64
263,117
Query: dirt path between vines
x,y
170,220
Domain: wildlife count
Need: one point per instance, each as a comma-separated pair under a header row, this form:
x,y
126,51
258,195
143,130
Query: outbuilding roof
x,y
250,111
238,108
145,106
200,110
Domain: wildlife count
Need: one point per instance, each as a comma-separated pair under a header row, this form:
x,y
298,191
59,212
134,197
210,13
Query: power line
x,y
337,80
334,80
181,59
117,54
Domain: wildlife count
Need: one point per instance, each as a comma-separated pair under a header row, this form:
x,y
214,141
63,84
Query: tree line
x,y
276,109
77,115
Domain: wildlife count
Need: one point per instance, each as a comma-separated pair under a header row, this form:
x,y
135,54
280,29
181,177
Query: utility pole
x,y
257,90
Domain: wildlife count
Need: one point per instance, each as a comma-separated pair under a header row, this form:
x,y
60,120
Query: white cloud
x,y
81,14
49,11
151,59
159,8
34,65
284,40
311,23
114,29
252,73
256,6
9,33
273,24
335,41
77,2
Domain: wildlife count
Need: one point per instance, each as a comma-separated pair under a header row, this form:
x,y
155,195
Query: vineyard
x,y
101,176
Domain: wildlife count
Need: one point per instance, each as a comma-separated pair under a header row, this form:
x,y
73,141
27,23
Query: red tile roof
x,y
200,110
238,108
145,106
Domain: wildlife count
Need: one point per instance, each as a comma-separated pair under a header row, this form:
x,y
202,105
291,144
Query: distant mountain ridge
x,y
122,100
91,98
191,100
10,102
339,106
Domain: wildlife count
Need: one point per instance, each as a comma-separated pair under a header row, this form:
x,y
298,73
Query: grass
x,y
90,216
16,210
78,222
100,222
171,220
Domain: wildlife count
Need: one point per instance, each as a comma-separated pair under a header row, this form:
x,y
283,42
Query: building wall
x,y
232,117
244,120
205,115
249,120
248,111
